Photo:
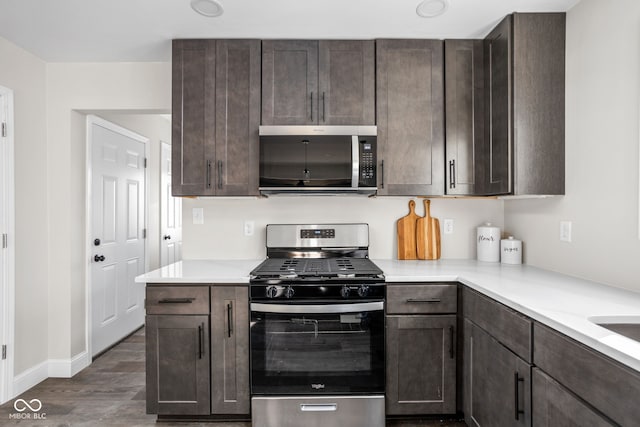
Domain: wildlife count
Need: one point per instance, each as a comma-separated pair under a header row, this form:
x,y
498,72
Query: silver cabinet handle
x,y
176,301
317,407
423,300
209,174
452,174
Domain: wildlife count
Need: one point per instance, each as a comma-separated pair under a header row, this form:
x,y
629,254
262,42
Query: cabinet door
x,y
230,350
346,82
421,365
464,106
496,156
289,82
555,406
237,117
410,108
497,383
193,117
178,365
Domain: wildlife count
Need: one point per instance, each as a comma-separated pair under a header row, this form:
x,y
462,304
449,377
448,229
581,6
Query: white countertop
x,y
562,302
202,271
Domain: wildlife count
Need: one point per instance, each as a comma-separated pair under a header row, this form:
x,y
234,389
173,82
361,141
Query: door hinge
x,y
145,162
4,130
5,241
144,233
4,351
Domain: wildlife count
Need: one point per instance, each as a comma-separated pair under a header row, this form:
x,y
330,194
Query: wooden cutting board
x,y
407,234
428,234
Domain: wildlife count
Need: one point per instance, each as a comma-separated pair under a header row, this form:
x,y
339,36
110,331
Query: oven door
x,y
309,349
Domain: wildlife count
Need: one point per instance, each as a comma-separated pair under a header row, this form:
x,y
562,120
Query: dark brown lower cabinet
x,y
178,364
555,406
497,383
230,350
421,365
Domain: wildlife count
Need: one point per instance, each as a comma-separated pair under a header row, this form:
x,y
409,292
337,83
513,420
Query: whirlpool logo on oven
x,y
317,386
28,410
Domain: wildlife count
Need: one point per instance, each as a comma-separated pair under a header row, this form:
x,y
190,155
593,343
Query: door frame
x,y
7,281
88,248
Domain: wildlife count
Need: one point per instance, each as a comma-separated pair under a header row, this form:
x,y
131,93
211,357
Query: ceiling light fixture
x,y
432,8
209,8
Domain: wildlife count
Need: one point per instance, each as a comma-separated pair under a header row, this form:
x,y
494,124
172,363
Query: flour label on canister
x,y
488,243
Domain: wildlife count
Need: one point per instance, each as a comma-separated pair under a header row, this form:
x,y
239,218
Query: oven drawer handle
x,y
317,309
318,407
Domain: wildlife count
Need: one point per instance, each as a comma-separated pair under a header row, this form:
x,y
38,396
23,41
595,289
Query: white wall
x,y
602,98
221,236
71,88
26,75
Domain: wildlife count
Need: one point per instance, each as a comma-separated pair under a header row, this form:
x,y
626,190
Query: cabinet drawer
x,y
177,300
512,329
607,385
422,298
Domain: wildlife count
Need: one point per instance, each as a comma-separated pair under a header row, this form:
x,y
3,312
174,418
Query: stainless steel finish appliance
x,y
318,159
317,329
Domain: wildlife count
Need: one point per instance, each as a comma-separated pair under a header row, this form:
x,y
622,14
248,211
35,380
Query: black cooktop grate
x,y
325,267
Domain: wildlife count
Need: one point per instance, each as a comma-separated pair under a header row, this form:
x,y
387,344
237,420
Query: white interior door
x,y
118,221
170,213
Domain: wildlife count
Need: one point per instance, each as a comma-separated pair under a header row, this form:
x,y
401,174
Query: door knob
x,y
96,242
167,237
98,258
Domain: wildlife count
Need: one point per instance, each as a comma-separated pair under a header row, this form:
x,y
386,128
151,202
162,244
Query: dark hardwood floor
x,y
111,393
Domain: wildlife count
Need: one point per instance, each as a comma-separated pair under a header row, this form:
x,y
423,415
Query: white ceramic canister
x,y
488,239
511,251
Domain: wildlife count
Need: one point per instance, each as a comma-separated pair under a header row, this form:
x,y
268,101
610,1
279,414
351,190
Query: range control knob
x,y
288,292
363,291
272,292
345,291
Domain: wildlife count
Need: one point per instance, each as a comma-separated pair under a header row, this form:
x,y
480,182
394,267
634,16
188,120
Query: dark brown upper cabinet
x,y
464,112
215,115
523,151
410,115
306,82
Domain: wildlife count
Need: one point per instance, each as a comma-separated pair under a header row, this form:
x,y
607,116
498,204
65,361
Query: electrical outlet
x,y
198,215
448,226
249,227
565,231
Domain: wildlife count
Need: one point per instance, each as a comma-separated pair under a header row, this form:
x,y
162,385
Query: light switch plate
x,y
198,215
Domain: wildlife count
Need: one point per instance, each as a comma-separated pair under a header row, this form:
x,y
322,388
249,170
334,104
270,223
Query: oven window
x,y
314,161
317,353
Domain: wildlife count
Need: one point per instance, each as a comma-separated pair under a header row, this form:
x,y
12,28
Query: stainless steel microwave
x,y
318,159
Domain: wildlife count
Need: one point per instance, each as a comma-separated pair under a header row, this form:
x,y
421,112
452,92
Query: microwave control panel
x,y
368,161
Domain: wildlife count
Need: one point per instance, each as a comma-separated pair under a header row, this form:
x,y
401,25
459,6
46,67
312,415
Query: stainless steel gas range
x,y
317,329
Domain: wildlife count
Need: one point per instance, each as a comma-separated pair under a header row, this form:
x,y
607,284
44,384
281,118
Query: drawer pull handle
x,y
176,301
423,300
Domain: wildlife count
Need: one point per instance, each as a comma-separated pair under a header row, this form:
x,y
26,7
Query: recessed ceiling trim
x,y
208,8
432,8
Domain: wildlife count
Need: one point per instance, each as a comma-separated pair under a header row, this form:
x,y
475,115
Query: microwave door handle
x,y
355,161
317,309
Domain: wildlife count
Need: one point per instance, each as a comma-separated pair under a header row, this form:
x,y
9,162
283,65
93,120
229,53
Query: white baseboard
x,y
66,368
29,378
55,368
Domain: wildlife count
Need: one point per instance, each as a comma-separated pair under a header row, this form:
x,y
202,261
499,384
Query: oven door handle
x,y
317,308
